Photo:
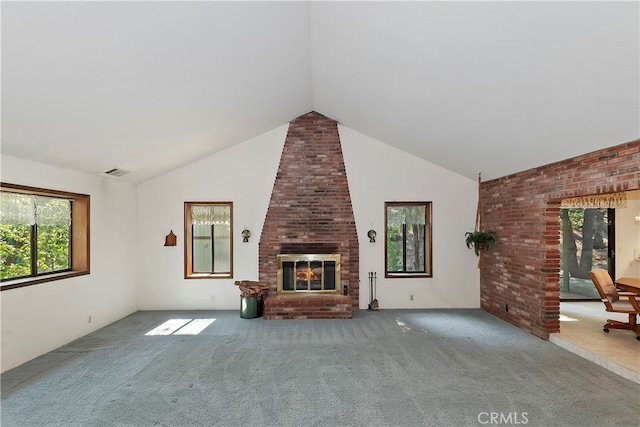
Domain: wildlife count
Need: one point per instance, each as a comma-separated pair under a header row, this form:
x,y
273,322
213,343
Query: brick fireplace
x,y
310,212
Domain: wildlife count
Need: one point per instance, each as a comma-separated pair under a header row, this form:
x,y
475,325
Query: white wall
x,y
245,173
628,237
379,173
40,318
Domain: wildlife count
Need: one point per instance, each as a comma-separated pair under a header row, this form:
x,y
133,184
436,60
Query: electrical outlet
x,y
411,297
213,298
89,319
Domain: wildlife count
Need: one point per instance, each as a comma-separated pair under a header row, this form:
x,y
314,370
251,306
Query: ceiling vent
x,y
117,172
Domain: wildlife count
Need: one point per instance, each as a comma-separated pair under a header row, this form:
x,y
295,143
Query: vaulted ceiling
x,y
491,87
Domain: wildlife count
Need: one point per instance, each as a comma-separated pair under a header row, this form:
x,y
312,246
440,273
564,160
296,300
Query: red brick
x,y
522,270
310,208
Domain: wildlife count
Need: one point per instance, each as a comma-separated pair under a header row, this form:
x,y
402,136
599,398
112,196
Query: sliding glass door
x,y
586,243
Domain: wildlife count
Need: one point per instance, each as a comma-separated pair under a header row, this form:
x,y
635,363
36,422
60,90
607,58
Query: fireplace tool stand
x,y
373,301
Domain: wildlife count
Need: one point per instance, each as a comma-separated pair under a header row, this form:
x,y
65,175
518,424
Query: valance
x,y
596,201
28,209
210,215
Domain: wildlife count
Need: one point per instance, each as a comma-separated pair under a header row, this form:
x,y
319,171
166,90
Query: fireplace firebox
x,y
308,273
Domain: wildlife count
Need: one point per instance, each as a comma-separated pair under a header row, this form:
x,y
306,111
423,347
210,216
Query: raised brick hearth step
x,y
308,307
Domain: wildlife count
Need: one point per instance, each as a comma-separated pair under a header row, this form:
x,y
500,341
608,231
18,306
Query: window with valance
x,y
43,232
208,240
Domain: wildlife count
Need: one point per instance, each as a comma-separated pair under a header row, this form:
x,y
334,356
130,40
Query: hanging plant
x,y
480,239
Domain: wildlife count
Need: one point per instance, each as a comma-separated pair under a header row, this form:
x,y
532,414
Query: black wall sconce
x,y
372,235
245,235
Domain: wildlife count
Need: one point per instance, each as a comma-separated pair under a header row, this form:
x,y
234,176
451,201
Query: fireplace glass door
x,y
308,273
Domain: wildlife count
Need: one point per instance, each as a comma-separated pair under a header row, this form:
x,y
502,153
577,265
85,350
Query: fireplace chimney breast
x,y
310,209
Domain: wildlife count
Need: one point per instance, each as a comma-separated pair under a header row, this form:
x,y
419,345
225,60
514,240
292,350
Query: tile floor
x,y
581,333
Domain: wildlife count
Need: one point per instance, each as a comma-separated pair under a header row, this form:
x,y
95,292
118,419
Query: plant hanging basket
x,y
480,240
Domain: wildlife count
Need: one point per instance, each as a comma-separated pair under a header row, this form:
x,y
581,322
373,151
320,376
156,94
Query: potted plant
x,y
480,240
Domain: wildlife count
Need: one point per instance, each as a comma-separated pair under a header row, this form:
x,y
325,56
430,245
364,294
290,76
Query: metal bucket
x,y
250,307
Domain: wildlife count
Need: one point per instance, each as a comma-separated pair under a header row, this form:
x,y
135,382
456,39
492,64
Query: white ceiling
x,y
491,87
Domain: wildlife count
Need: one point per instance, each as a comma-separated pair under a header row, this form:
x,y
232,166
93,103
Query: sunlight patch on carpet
x,y
181,327
403,325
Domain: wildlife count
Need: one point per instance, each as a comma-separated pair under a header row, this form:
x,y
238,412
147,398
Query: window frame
x,y
188,243
428,241
79,239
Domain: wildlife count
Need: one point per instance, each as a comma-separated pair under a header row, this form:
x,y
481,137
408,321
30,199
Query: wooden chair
x,y
616,302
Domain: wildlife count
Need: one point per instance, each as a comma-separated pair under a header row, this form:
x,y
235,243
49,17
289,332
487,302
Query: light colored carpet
x,y
386,368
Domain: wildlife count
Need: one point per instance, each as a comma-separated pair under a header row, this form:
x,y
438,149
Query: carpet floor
x,y
385,368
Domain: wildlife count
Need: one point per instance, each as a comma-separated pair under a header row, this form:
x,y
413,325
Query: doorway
x,y
586,242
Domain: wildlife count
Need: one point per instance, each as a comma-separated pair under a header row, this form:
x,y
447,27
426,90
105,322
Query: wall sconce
x,y
245,235
372,235
638,219
170,239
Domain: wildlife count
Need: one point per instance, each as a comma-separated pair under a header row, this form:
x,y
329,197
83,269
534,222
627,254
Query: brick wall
x,y
308,307
521,273
310,208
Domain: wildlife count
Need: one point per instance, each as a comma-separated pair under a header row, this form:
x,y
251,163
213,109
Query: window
x,y
208,243
44,235
407,239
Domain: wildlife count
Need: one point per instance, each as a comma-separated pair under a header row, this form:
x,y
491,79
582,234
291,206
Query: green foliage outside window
x,y
394,249
34,228
408,238
15,250
53,248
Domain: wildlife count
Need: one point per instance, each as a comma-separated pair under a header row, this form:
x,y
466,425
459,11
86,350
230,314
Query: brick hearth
x,y
301,306
310,212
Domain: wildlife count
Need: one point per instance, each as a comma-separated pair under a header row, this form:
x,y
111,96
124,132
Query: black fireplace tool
x,y
373,305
